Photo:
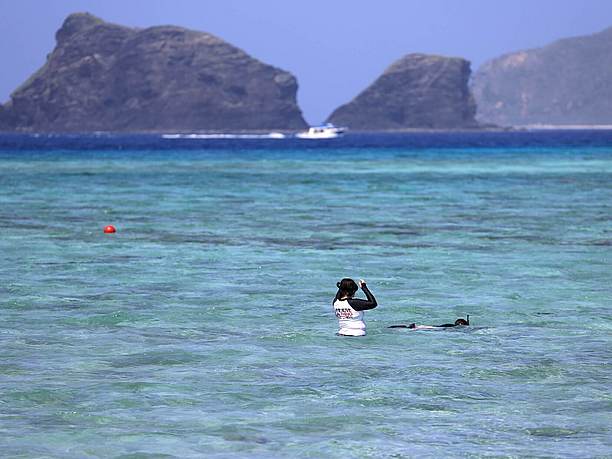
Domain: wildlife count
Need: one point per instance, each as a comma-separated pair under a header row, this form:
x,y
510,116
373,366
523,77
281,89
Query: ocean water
x,y
203,327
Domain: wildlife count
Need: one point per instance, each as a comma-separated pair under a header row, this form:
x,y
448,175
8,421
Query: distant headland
x,y
111,78
568,82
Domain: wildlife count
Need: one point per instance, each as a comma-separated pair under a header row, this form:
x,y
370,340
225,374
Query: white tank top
x,y
350,321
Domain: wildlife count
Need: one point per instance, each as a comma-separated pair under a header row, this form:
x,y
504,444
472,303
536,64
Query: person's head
x,y
461,322
347,287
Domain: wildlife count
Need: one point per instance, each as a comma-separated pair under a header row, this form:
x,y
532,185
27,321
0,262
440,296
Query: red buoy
x,y
110,229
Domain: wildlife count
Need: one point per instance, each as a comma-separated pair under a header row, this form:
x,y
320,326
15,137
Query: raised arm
x,y
362,305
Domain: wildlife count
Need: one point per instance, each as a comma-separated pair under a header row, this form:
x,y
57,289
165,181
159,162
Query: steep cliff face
x,y
105,77
566,82
417,91
4,121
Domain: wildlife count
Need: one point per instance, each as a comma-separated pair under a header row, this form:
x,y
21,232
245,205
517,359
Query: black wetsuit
x,y
414,326
358,304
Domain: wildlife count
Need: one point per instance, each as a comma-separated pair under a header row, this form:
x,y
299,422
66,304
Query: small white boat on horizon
x,y
325,131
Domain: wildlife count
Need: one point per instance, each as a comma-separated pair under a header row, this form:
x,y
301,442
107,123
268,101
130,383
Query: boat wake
x,y
271,135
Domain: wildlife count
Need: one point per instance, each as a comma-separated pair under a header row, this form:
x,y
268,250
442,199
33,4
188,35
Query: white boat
x,y
325,131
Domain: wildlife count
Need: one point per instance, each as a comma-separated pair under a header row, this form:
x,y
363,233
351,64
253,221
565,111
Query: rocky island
x,y
568,82
106,77
418,91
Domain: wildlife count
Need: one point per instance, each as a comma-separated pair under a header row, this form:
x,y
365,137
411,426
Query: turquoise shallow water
x,y
203,327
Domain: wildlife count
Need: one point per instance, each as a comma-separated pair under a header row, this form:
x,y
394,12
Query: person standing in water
x,y
349,310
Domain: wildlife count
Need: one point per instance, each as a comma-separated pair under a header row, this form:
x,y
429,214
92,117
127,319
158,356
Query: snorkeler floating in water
x,y
458,322
349,310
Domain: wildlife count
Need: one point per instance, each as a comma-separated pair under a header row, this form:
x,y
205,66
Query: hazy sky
x,y
335,48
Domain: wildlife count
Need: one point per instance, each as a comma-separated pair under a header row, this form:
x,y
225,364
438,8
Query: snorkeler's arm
x,y
362,305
